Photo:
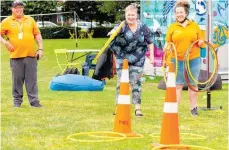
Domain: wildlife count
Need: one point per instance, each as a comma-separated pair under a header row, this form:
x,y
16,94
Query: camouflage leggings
x,y
135,74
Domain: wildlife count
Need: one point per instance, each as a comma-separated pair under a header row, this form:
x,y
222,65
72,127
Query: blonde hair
x,y
132,7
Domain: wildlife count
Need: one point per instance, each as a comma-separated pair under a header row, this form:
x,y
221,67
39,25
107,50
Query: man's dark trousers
x,y
24,70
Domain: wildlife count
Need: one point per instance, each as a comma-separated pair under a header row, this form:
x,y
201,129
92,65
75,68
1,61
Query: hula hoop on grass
x,y
138,136
121,136
181,146
195,136
102,136
187,66
130,137
166,54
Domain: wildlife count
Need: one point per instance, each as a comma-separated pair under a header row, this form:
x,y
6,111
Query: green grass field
x,y
66,113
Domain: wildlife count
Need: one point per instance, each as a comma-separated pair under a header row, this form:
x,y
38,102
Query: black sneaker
x,y
194,112
36,104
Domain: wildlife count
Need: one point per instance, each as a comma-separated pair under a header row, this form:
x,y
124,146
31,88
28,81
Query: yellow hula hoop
x,y
103,136
181,146
110,39
164,59
122,137
215,62
163,66
128,137
138,136
196,136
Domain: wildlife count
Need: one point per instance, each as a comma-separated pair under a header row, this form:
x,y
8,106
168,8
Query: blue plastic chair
x,y
88,64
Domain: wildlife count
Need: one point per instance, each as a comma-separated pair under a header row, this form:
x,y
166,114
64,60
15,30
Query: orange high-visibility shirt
x,y
183,37
25,45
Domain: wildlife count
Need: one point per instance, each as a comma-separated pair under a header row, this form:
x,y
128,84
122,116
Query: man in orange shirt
x,y
22,32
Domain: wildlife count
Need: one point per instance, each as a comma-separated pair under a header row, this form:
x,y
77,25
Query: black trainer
x,y
194,112
36,104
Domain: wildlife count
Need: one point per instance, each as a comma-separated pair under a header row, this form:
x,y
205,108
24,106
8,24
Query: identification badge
x,y
20,35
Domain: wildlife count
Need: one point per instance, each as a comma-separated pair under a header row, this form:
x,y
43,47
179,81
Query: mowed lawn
x,y
67,113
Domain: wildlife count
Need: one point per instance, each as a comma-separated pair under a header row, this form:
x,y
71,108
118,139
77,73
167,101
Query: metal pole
x,y
75,28
208,99
208,33
209,39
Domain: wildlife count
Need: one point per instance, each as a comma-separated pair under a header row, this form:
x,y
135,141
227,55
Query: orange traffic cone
x,y
170,127
122,122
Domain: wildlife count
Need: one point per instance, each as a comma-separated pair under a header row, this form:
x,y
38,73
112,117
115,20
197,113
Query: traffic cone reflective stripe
x,y
125,76
170,127
122,99
171,80
170,107
124,93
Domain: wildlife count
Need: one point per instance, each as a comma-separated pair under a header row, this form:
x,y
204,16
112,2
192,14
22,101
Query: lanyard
x,y
20,26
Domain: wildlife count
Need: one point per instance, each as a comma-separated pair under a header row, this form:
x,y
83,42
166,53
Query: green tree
x,y
86,10
40,7
6,8
115,8
82,8
31,7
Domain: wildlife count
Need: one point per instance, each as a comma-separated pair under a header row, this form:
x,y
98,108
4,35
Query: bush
x,y
57,32
100,32
64,32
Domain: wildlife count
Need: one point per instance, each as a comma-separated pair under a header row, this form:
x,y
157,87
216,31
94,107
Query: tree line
x,y
99,11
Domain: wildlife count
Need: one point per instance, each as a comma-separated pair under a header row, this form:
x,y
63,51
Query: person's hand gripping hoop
x,y
169,49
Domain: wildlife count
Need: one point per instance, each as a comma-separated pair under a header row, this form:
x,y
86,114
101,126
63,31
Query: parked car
x,y
46,24
107,24
84,25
